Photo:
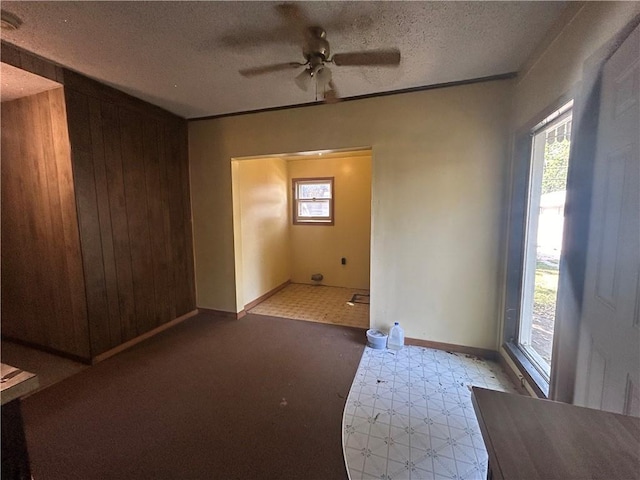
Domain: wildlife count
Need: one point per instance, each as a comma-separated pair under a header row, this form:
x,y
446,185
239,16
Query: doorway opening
x,y
302,234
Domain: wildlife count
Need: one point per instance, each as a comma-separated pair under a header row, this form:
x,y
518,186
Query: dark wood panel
x,y
176,212
36,242
10,55
77,106
50,199
119,224
76,327
133,164
42,282
38,66
183,159
88,219
79,83
112,334
166,202
155,217
20,58
14,233
135,194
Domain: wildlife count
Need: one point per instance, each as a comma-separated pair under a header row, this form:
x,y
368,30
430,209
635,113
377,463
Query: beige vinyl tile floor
x,y
317,303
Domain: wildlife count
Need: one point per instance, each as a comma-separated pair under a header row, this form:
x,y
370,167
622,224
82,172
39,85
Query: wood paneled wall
x,y
130,166
43,289
96,219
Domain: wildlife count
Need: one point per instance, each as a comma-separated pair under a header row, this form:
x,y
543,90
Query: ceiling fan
x,y
317,53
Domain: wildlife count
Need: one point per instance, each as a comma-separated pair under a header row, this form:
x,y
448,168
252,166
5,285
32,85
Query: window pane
x,y
550,161
311,208
314,190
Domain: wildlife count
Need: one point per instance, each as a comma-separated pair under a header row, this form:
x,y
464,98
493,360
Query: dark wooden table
x,y
528,438
14,383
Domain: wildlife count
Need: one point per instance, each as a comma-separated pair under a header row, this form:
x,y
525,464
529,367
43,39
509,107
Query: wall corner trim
x,y
262,298
222,313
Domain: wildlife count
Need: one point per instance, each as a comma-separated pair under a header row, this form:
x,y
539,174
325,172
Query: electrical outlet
x,y
343,261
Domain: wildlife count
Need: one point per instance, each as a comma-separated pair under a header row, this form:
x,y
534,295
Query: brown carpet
x,y
256,398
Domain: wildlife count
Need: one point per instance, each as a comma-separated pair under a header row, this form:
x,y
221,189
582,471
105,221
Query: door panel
x,y
608,370
632,400
610,231
595,387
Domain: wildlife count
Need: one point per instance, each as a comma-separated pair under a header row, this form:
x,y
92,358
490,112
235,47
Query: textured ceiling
x,y
185,56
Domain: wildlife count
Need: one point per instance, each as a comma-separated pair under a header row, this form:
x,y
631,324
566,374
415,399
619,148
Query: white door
x,y
608,369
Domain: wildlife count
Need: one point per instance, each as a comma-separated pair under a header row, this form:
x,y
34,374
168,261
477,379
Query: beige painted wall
x,y
438,174
261,227
319,248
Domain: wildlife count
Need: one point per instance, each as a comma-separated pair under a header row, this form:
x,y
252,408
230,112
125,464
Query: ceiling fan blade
x,y
294,29
297,21
257,39
294,16
388,57
278,67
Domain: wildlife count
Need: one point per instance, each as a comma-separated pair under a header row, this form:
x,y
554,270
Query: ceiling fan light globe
x,y
303,80
323,76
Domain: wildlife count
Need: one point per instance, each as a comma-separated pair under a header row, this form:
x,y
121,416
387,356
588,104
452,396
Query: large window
x,y
313,201
543,238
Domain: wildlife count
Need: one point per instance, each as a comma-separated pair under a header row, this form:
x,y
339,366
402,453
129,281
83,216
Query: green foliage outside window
x,y
556,164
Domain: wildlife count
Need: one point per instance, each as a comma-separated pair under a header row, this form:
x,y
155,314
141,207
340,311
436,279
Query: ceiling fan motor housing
x,y
317,46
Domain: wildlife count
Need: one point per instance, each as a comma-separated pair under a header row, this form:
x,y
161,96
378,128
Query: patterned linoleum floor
x,y
317,303
409,415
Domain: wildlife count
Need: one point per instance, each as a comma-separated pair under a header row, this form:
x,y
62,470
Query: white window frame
x,y
297,220
530,257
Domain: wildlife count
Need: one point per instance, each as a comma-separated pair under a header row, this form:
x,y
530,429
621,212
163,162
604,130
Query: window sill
x,y
535,379
314,222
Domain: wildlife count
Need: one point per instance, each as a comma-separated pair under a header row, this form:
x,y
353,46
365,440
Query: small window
x,y
313,201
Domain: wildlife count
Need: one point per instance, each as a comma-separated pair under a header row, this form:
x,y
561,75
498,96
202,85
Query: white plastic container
x,y
396,337
376,339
